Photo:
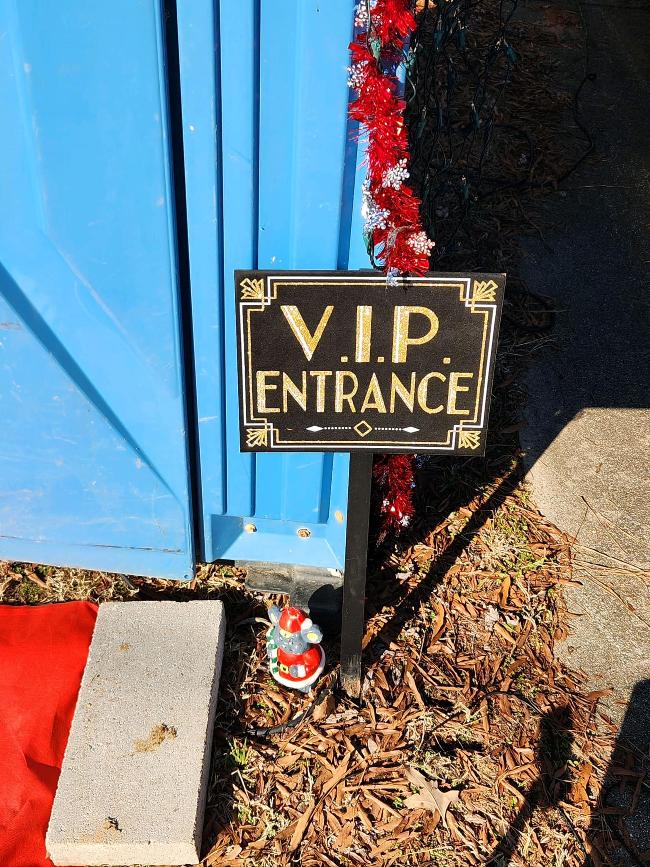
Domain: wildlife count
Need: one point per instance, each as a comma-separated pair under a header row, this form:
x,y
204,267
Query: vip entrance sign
x,y
340,361
336,361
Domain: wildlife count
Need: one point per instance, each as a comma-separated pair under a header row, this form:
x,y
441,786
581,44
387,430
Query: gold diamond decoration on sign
x,y
484,290
252,290
362,428
469,439
256,437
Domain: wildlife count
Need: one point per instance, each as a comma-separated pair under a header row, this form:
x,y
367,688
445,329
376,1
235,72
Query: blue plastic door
x,y
93,435
270,172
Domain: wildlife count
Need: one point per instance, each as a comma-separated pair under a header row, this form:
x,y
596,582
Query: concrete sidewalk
x,y
588,436
587,441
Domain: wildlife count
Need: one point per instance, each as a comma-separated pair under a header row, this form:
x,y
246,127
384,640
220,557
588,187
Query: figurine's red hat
x,y
293,620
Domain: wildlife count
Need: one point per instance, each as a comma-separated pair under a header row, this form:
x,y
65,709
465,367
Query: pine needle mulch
x,y
472,745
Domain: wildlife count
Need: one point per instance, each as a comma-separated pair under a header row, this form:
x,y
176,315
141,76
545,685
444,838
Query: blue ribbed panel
x,y
93,453
273,188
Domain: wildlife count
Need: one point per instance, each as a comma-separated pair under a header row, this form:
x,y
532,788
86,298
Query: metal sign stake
x,y
354,585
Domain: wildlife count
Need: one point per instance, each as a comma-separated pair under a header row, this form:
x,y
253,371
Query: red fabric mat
x,y
43,652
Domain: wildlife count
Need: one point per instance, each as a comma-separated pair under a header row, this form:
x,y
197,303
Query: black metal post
x,y
354,583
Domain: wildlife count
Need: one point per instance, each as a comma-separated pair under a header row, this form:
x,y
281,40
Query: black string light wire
x,y
463,124
457,75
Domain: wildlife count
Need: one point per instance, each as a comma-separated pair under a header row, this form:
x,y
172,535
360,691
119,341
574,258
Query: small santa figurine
x,y
296,658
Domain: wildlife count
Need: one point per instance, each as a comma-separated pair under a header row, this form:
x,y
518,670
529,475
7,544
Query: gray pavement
x,y
587,441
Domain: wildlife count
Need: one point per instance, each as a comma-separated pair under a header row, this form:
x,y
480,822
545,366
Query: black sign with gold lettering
x,y
339,361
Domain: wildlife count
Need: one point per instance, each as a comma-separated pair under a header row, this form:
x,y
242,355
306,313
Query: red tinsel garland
x,y
391,210
394,476
393,229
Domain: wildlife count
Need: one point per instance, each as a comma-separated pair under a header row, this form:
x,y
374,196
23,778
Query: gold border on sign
x,y
251,289
257,297
484,291
469,439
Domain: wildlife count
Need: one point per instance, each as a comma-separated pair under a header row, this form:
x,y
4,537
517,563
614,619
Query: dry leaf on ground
x,y
429,796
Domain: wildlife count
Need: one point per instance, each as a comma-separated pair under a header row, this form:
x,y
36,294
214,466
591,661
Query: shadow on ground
x,y
621,826
554,752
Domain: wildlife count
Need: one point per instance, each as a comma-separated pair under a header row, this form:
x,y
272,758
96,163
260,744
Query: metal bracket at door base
x,y
318,591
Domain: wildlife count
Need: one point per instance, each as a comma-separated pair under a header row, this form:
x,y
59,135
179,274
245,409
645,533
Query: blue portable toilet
x,y
94,466
143,161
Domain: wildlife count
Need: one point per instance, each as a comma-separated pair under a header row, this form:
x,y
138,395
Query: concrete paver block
x,y
134,777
